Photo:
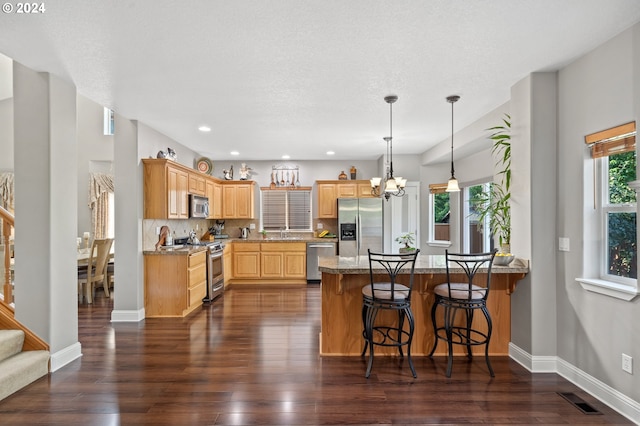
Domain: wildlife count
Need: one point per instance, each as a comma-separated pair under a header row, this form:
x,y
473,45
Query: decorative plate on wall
x,y
204,165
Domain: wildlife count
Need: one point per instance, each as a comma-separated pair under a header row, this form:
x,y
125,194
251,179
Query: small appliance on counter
x,y
244,233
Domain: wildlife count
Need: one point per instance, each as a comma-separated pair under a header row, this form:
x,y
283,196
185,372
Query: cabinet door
x,y
244,201
210,194
295,265
197,279
347,190
327,204
215,203
196,184
229,201
246,264
177,185
364,190
271,265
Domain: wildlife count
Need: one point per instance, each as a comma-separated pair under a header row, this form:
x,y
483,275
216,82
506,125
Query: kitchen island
x,y
344,277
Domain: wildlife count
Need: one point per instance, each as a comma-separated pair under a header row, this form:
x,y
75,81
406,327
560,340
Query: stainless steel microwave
x,y
198,206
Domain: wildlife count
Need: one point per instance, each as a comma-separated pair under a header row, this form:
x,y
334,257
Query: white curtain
x,y
100,186
6,191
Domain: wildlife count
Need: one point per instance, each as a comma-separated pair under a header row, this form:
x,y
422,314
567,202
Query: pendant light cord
x,y
452,171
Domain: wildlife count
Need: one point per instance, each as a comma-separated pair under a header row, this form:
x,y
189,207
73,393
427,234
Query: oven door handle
x,y
215,255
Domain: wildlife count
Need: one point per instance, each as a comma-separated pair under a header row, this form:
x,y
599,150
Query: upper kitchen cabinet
x,y
238,199
166,189
197,184
330,190
213,191
167,186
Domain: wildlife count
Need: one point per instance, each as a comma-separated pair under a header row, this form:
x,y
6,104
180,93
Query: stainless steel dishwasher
x,y
314,251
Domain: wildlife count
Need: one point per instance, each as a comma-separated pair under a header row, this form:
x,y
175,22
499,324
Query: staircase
x,y
19,368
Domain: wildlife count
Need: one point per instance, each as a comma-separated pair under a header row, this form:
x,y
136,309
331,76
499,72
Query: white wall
x,y
6,135
95,154
598,91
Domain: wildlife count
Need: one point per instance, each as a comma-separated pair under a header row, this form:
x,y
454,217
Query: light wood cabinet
x,y
197,184
238,200
330,190
213,191
178,194
174,285
246,260
165,190
228,262
167,186
327,196
269,263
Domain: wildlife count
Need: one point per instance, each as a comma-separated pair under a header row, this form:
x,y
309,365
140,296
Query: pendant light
x,y
392,185
452,185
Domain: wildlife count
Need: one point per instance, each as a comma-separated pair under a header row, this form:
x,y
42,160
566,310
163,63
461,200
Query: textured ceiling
x,y
300,77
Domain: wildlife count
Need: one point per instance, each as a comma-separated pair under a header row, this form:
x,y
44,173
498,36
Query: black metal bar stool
x,y
466,297
388,295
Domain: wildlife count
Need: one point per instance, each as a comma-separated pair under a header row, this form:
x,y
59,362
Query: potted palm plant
x,y
494,205
408,239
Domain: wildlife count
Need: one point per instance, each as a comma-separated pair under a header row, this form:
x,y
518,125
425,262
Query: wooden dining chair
x,y
95,270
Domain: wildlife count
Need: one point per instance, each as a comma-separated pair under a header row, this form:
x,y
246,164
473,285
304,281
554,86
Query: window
x,y
475,239
109,124
288,210
611,259
619,216
440,208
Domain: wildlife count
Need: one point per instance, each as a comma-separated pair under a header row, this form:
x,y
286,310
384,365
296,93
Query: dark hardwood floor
x,y
252,358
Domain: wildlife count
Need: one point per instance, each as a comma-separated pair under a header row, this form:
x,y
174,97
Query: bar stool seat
x,y
388,295
465,298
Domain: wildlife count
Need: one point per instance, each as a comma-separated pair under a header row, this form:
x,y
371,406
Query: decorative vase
x,y
342,175
353,172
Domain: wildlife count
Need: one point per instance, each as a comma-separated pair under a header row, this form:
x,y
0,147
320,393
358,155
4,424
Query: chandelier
x,y
452,185
389,185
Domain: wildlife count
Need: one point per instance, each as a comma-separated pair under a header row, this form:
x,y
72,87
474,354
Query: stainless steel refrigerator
x,y
359,226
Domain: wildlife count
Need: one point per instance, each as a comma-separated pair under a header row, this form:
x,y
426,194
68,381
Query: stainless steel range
x,y
215,266
215,272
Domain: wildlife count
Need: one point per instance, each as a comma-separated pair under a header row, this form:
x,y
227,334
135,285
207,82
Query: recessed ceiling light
x,y
235,153
204,128
285,157
330,153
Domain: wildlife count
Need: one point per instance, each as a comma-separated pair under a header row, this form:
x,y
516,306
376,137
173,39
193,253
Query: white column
x,y
129,266
45,150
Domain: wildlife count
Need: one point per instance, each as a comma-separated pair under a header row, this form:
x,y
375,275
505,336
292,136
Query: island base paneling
x,y
341,328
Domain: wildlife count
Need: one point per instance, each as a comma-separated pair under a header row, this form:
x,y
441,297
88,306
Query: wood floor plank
x,y
251,358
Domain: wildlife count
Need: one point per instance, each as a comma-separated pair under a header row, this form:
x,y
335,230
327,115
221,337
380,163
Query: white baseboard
x,y
127,316
65,356
603,392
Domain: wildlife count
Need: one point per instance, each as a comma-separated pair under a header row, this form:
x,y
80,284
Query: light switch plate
x,y
319,226
563,244
252,226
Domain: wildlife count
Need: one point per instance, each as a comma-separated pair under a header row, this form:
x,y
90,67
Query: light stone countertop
x,y
425,264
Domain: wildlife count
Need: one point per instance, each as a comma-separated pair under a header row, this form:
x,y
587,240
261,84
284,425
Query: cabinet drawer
x,y
197,259
280,247
246,247
197,274
197,293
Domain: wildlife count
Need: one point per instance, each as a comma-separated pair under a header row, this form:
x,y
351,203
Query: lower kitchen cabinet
x,y
174,284
269,263
246,260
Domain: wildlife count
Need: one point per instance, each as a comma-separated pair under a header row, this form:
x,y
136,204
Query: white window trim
x,y
625,289
432,242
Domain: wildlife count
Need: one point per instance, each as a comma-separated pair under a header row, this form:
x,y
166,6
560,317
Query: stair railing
x,y
8,222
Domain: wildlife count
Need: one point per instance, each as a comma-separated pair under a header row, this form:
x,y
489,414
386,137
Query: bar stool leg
x,y
435,327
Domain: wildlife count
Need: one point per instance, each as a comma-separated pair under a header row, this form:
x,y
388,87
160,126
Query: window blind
x,y
615,140
286,210
299,210
274,209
